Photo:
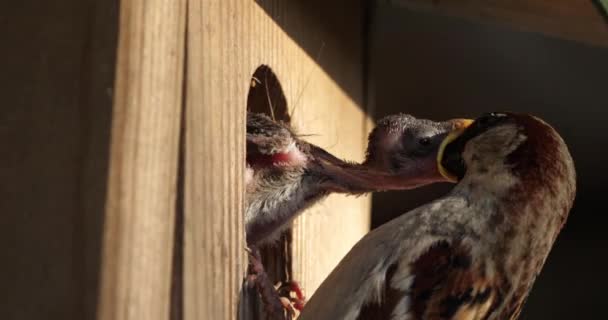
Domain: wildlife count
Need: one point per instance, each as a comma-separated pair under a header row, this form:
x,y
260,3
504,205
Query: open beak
x,y
459,126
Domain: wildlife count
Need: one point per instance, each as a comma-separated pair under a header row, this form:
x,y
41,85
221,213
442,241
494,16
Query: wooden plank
x,y
140,208
227,41
580,21
215,118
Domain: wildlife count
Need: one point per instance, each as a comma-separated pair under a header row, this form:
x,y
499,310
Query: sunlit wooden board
x,y
316,50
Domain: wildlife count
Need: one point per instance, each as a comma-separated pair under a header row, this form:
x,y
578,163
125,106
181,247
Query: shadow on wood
x,y
331,32
57,83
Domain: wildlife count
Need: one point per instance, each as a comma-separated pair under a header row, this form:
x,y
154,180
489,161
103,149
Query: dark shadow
x,y
439,68
331,33
266,96
57,82
177,269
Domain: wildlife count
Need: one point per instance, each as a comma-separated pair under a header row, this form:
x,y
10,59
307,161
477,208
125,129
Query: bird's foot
x,y
276,306
285,292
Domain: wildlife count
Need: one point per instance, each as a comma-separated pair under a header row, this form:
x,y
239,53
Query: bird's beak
x,y
459,126
345,177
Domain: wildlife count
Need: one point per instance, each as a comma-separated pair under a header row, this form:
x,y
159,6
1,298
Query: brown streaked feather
x,y
449,286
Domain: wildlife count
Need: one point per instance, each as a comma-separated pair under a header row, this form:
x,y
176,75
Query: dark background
x,y
56,82
438,68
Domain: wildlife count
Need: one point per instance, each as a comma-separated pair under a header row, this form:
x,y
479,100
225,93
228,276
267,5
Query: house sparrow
x,y
474,253
286,175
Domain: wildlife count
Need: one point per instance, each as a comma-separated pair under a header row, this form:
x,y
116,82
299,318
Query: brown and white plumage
x,y
474,253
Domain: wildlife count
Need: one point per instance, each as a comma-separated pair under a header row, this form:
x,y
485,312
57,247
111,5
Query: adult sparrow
x,y
474,253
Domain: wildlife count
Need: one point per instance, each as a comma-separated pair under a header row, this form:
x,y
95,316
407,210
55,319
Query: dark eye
x,y
424,141
485,119
490,118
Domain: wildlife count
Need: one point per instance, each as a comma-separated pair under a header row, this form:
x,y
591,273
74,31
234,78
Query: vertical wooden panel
x,y
213,230
138,235
315,49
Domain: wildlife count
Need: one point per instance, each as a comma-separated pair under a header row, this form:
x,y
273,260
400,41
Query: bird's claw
x,y
285,290
279,302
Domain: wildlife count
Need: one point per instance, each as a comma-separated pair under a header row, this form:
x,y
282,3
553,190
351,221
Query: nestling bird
x,y
285,175
474,253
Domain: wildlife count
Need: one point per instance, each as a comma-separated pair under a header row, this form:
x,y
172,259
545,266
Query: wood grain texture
x,y
140,208
227,41
569,19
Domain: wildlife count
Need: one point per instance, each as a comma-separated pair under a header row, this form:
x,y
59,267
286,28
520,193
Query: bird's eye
x,y
424,141
485,119
490,118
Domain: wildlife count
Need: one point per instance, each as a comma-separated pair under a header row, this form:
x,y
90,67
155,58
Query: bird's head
x,y
273,151
406,148
508,149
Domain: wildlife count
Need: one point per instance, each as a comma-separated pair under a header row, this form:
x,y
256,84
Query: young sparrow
x,y
474,253
286,174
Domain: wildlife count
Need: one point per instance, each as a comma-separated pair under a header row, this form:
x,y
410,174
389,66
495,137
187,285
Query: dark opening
x,y
266,96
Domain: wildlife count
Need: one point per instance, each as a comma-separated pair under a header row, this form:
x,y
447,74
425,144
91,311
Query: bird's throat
x,y
291,157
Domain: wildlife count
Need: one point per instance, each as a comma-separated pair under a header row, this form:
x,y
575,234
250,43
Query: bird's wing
x,y
357,277
399,271
440,284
